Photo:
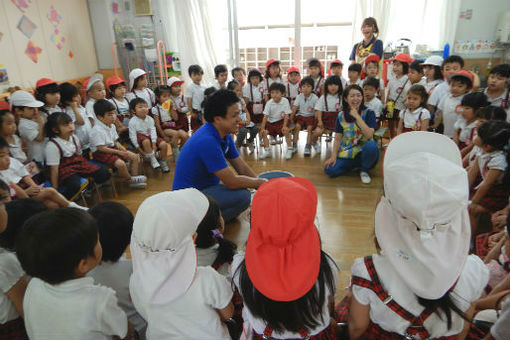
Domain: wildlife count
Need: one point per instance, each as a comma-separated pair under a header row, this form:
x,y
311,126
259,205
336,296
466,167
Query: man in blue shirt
x,y
203,160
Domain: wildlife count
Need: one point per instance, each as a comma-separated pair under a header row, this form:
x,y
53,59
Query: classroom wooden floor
x,y
345,206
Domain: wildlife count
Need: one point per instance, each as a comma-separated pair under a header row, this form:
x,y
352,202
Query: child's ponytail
x,y
497,134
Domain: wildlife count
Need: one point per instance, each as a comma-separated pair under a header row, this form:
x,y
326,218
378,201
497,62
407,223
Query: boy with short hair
x,y
354,75
57,249
370,89
195,96
451,65
448,108
497,90
303,114
107,149
239,74
221,75
276,118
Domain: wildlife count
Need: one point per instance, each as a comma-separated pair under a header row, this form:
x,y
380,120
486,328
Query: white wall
x,y
53,63
484,21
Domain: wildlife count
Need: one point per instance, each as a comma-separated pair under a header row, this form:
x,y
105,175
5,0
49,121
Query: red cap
x,y
114,81
4,105
403,58
283,251
463,74
337,62
292,69
373,57
43,82
271,61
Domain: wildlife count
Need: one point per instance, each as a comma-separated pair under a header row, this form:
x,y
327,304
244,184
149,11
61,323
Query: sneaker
x,y
264,153
154,162
365,177
137,185
317,147
272,140
138,179
308,150
74,205
175,153
289,153
251,147
329,139
164,166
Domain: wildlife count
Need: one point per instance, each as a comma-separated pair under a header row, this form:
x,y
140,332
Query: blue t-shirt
x,y
369,120
202,155
377,48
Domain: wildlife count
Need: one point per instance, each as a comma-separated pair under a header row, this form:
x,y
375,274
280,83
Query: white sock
x,y
77,206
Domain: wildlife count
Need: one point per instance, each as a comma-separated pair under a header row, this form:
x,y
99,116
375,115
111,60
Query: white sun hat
x,y
96,77
23,98
162,248
422,223
433,60
135,73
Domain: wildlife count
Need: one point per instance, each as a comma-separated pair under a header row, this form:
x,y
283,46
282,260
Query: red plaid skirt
x,y
13,330
196,122
482,244
75,165
496,199
255,118
275,129
304,122
329,120
182,123
105,157
328,333
140,137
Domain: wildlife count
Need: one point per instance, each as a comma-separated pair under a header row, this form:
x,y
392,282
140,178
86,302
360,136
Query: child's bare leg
x,y
174,137
263,134
122,169
163,151
52,198
297,129
183,136
288,139
147,146
309,130
134,162
475,210
316,134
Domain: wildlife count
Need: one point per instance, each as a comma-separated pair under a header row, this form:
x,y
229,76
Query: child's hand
x,y
33,190
39,119
74,105
330,162
285,130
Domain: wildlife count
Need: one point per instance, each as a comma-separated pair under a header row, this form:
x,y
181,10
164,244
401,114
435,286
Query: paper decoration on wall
x,y
57,38
1,36
71,55
21,4
475,46
54,17
115,7
33,51
4,78
26,26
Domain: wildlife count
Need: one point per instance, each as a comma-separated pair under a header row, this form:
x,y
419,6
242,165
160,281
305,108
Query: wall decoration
x,y
54,17
57,38
115,7
475,46
1,36
26,26
33,51
21,4
70,54
4,78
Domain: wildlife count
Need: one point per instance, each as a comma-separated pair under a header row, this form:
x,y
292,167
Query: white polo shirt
x,y
431,86
196,93
103,135
495,160
499,101
89,108
306,106
466,134
292,90
334,103
375,105
318,84
74,309
255,94
144,126
180,103
441,90
450,106
29,130
277,111
396,91
411,118
82,131
469,287
164,115
358,82
146,94
122,107
267,82
16,149
15,173
68,149
10,274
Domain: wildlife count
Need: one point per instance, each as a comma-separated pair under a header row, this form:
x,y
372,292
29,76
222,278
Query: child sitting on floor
x,y
57,249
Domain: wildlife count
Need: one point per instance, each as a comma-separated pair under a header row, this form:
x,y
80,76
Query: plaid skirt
x,y
305,122
496,199
13,330
328,333
329,120
105,157
255,118
275,129
196,122
140,137
75,165
182,123
482,244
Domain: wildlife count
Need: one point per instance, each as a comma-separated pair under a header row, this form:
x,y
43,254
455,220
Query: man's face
x,y
229,123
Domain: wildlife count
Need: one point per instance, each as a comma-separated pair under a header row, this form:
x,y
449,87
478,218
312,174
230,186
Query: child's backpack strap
x,y
326,101
416,327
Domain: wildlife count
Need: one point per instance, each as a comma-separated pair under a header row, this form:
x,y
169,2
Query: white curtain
x,y
379,9
195,28
448,22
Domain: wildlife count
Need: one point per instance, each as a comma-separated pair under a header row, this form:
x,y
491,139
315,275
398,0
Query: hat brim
x,y
421,141
262,260
462,76
176,83
424,270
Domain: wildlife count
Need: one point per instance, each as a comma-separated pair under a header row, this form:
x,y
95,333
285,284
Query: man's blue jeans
x,y
231,202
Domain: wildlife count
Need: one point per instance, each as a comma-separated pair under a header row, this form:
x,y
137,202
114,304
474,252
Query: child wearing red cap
x,y
117,88
335,69
273,74
316,71
396,96
48,91
179,102
288,284
292,84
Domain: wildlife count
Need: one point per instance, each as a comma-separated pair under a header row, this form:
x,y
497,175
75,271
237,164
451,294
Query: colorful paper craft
x,y
33,51
26,26
57,38
21,4
71,55
54,17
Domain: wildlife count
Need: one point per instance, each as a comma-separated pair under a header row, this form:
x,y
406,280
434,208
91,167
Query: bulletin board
x,y
44,38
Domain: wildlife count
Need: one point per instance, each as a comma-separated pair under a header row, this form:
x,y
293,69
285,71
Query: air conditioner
x,y
503,29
